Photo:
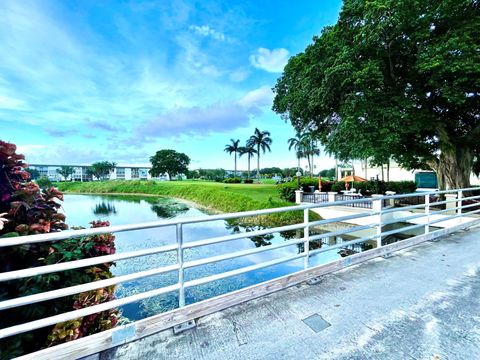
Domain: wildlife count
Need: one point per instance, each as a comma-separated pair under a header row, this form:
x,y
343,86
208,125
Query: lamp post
x,y
298,178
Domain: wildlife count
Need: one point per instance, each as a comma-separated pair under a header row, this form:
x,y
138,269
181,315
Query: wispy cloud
x,y
207,31
263,96
270,60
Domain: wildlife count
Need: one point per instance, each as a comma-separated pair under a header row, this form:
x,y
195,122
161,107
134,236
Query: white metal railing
x,y
456,208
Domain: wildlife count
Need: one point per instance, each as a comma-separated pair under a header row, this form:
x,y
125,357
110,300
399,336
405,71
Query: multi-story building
x,y
81,173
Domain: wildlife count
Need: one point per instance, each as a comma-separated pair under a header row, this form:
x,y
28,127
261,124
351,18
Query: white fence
x,y
457,206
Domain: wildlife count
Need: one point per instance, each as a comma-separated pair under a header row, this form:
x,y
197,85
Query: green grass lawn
x,y
217,196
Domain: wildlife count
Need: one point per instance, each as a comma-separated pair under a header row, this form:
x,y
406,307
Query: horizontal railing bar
x,y
242,235
341,231
47,269
342,218
241,270
75,314
403,208
238,254
394,221
342,245
76,289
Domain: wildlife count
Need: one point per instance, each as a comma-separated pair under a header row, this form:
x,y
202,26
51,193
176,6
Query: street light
x,y
298,178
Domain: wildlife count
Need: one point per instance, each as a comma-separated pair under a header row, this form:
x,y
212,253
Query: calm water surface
x,y
81,209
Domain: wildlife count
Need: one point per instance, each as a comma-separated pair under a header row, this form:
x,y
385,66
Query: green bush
x,y
401,187
248,181
286,191
233,180
44,182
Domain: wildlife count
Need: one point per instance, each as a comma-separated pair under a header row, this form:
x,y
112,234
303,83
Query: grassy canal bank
x,y
218,197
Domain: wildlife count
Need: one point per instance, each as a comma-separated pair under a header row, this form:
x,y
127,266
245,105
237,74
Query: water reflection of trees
x,y
259,240
169,209
104,208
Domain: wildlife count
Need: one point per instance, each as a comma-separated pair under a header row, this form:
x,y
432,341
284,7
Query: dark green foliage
x,y
393,79
286,191
248,181
233,180
66,171
34,173
169,162
44,182
101,169
328,173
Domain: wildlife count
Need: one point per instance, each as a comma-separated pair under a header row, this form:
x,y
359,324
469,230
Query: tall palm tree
x,y
262,141
250,152
233,148
297,144
310,148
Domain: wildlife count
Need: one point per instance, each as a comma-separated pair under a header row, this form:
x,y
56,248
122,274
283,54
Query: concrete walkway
x,y
422,303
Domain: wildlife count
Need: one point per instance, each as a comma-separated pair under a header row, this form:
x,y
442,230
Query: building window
x,y
135,173
120,173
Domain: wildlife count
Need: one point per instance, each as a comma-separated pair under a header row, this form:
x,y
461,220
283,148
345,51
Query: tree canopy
x,y
169,162
101,169
393,79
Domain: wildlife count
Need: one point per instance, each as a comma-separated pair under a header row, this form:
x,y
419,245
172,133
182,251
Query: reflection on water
x,y
104,208
82,209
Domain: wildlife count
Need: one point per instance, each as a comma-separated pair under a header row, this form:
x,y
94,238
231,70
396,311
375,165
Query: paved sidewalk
x,y
422,303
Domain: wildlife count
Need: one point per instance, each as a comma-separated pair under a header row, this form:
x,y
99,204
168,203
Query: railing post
x,y
427,212
377,206
181,290
459,202
306,238
331,196
298,196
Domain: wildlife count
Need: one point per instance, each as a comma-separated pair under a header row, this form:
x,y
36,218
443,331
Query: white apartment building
x,y
120,172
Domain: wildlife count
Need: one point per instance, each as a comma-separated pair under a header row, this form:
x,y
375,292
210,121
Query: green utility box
x,y
426,179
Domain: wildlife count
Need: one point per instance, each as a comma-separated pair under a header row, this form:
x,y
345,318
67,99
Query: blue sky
x,y
84,81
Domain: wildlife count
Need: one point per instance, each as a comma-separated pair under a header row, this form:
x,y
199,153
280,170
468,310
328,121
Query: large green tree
x,y
66,171
101,169
169,162
393,79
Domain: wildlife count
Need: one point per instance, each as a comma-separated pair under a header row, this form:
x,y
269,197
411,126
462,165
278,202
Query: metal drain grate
x,y
316,323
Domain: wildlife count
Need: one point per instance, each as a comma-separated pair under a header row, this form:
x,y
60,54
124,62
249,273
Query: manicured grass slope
x,y
217,196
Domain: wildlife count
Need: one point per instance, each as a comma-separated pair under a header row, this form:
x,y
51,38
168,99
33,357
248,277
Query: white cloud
x,y
206,30
10,103
239,75
262,96
211,70
270,60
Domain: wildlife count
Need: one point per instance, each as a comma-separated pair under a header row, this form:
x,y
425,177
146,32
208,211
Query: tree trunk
x,y
235,169
248,156
388,171
258,163
453,168
383,179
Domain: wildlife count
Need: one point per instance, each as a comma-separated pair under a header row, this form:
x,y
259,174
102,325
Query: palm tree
x,y
297,144
234,147
260,140
250,152
310,148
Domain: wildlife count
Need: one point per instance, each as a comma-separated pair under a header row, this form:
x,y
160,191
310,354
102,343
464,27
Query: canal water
x,y
119,210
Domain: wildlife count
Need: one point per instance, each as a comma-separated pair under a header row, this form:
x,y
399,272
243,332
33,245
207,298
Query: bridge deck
x,y
421,303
